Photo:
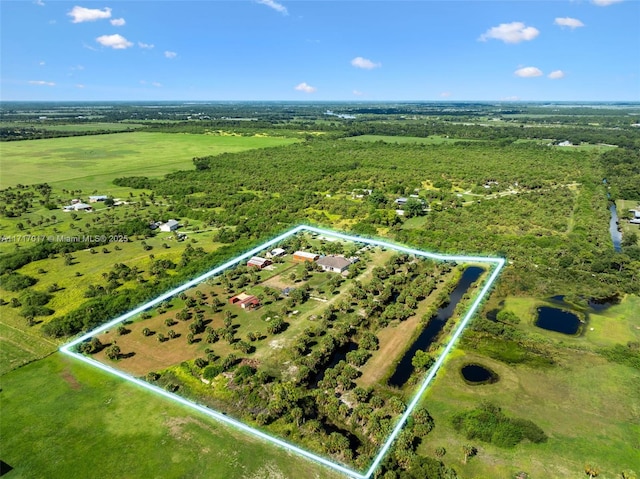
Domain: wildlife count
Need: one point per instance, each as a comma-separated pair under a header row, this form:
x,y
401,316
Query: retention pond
x,y
430,333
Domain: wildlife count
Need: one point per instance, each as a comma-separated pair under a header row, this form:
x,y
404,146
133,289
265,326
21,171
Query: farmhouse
x,y
259,262
95,199
335,264
77,207
304,256
245,301
169,226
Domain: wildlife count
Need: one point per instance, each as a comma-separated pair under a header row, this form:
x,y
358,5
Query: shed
x,y
96,198
278,252
258,262
245,301
304,256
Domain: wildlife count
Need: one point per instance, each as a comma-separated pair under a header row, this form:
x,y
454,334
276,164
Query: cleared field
x,y
18,348
74,127
92,162
90,424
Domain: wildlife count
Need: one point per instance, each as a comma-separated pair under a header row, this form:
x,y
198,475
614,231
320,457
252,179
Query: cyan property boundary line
x,y
498,265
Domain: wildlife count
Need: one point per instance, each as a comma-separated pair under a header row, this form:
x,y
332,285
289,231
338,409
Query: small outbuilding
x,y
97,198
278,252
259,262
169,226
304,256
245,301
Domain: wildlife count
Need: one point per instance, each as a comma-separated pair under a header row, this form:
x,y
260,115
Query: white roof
x,y
304,254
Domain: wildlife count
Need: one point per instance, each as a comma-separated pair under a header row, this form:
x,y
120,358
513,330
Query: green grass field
x,y
582,401
72,127
68,419
92,162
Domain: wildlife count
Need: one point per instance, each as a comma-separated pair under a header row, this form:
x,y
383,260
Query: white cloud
x,y
568,22
528,72
79,85
445,94
605,3
510,98
81,14
42,63
156,84
556,75
360,62
77,67
116,41
357,93
118,22
170,55
147,46
41,83
514,32
305,87
275,5
39,3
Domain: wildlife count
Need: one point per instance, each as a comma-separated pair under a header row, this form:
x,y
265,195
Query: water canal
x,y
434,327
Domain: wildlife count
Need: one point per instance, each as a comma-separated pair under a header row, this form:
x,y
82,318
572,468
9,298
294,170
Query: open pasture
x,y
138,433
92,162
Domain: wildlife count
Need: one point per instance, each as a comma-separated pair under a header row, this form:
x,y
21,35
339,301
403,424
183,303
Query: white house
x,y
335,264
169,226
77,207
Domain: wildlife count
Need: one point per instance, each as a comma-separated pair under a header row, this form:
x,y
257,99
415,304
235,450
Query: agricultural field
x,y
94,161
138,433
264,341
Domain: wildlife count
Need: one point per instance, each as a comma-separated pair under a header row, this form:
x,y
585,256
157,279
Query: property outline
x,y
498,262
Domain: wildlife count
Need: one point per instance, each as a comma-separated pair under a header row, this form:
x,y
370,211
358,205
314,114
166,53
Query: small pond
x,y
475,374
558,320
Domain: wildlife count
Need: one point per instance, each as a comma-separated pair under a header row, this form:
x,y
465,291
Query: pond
x,y
475,374
616,235
434,327
558,320
338,355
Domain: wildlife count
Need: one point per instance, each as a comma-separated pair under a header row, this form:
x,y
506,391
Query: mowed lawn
x,y
92,162
62,418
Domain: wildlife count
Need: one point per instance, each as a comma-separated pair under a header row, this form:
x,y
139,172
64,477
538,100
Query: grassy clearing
x,y
92,162
586,402
623,206
18,347
616,325
431,140
138,432
115,127
582,402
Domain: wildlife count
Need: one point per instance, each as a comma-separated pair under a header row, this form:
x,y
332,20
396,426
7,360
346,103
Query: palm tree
x,y
468,451
591,470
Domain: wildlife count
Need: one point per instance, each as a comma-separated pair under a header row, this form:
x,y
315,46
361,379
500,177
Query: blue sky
x,y
573,50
